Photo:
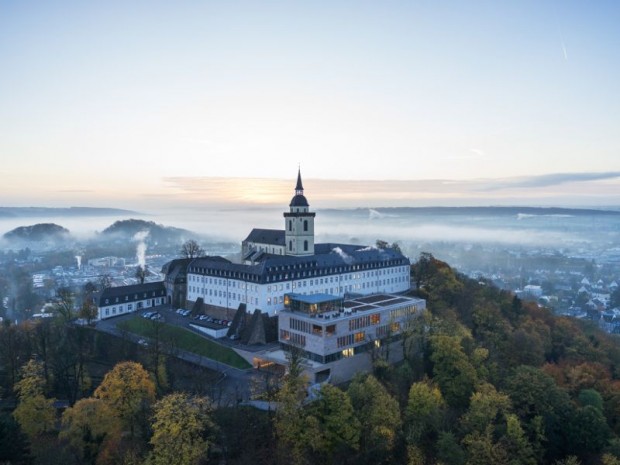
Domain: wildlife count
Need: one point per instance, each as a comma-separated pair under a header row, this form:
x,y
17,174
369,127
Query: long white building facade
x,y
280,262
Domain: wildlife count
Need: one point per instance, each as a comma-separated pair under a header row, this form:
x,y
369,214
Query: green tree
x,y
482,449
487,408
129,391
379,417
86,426
591,397
452,370
290,418
181,429
516,443
543,408
14,445
588,431
449,452
335,429
482,423
423,414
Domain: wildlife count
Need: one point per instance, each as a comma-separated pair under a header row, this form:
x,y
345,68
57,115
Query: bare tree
x,y
141,273
105,281
65,303
191,249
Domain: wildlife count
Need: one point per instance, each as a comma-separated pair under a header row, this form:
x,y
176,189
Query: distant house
x,y
115,301
610,321
534,291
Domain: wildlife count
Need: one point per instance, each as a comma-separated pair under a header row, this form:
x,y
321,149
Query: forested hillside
x,y
487,379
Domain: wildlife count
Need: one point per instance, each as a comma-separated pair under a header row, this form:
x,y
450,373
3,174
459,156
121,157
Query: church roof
x,y
299,200
266,236
299,186
329,259
176,270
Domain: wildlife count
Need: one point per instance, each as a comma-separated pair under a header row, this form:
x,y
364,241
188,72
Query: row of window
x,y
393,266
388,330
299,325
344,353
293,338
350,339
222,282
135,297
367,274
112,311
107,312
364,321
196,292
403,312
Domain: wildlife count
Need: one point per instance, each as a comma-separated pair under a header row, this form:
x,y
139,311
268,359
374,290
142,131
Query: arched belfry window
x,y
290,225
305,225
305,246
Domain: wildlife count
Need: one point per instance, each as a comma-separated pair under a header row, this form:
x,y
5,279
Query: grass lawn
x,y
185,340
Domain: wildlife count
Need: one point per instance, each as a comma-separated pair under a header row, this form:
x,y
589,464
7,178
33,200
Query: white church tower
x,y
299,224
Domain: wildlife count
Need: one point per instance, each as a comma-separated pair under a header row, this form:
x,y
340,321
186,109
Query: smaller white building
x,y
116,301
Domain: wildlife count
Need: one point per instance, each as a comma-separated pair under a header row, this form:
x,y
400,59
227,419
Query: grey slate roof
x,y
176,270
299,201
133,293
329,259
266,236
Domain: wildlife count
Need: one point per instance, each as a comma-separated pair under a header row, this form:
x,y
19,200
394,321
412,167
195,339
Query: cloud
x,y
76,191
472,154
549,180
549,189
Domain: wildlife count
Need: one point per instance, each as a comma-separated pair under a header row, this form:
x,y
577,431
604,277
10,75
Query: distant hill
x,y
127,230
30,212
41,232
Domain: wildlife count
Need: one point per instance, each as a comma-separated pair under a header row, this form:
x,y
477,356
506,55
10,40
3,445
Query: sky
x,y
157,104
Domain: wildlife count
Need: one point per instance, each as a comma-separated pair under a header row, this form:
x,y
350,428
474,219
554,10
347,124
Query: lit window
x,y
347,353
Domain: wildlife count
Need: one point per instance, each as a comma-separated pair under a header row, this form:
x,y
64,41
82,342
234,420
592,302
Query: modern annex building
x,y
280,262
338,338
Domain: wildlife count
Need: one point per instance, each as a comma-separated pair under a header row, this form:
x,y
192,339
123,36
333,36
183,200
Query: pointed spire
x,y
299,188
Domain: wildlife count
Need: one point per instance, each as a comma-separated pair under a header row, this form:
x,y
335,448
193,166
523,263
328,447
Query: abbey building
x,y
275,263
